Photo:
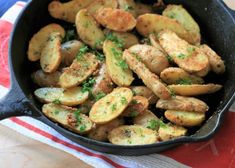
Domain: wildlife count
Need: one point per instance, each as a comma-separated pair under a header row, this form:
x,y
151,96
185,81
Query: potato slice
x,y
155,43
203,72
170,131
195,89
216,63
142,9
67,11
185,118
100,133
39,39
180,14
174,75
154,23
70,97
128,39
79,71
68,117
153,58
46,80
183,104
186,56
51,54
128,5
116,19
110,106
88,29
145,92
116,66
69,50
150,79
132,135
137,106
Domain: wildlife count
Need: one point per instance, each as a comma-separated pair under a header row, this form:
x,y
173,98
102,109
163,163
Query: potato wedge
x,y
79,71
120,74
170,131
68,117
110,106
145,92
128,5
155,43
181,103
186,56
116,19
185,118
174,75
69,50
67,11
51,54
137,106
142,9
195,89
216,63
180,14
132,135
88,29
100,133
154,23
203,72
39,39
150,79
70,97
43,79
153,58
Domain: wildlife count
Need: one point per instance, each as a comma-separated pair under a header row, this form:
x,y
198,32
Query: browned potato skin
x,y
150,79
145,92
183,103
116,19
153,58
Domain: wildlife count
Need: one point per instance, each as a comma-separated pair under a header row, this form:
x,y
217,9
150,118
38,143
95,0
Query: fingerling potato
x,y
141,8
145,92
155,43
128,5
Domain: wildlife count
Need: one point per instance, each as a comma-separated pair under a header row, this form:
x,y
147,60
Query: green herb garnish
x,y
70,35
77,116
99,95
184,81
134,114
110,36
88,85
134,101
123,101
83,50
56,101
190,49
114,107
82,128
127,8
169,58
181,56
56,112
123,64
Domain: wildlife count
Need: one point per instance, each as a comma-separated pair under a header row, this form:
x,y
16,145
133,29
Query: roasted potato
x,y
174,75
39,39
70,97
128,5
88,29
67,11
132,135
79,71
116,66
195,89
203,72
185,118
150,79
153,58
110,106
68,117
183,104
142,9
145,92
155,43
116,19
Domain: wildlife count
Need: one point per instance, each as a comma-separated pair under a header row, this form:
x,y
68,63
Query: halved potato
x,y
195,89
67,11
88,29
70,97
68,117
79,71
141,8
39,39
110,106
100,132
186,56
174,75
137,106
216,63
155,43
46,80
153,58
203,72
185,118
183,104
150,79
116,19
128,5
145,92
132,135
116,66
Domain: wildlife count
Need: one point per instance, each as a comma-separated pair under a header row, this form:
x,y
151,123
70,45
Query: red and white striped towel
x,y
217,152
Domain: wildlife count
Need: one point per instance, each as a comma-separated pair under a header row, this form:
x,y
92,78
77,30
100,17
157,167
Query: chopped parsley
x,y
169,58
134,114
70,35
184,81
117,54
127,8
137,56
82,128
56,101
181,56
56,112
110,36
114,107
155,124
172,92
83,50
88,85
123,64
123,101
190,49
99,55
98,43
134,101
77,116
99,95
172,15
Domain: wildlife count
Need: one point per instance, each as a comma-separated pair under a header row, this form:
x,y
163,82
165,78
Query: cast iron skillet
x,y
218,29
